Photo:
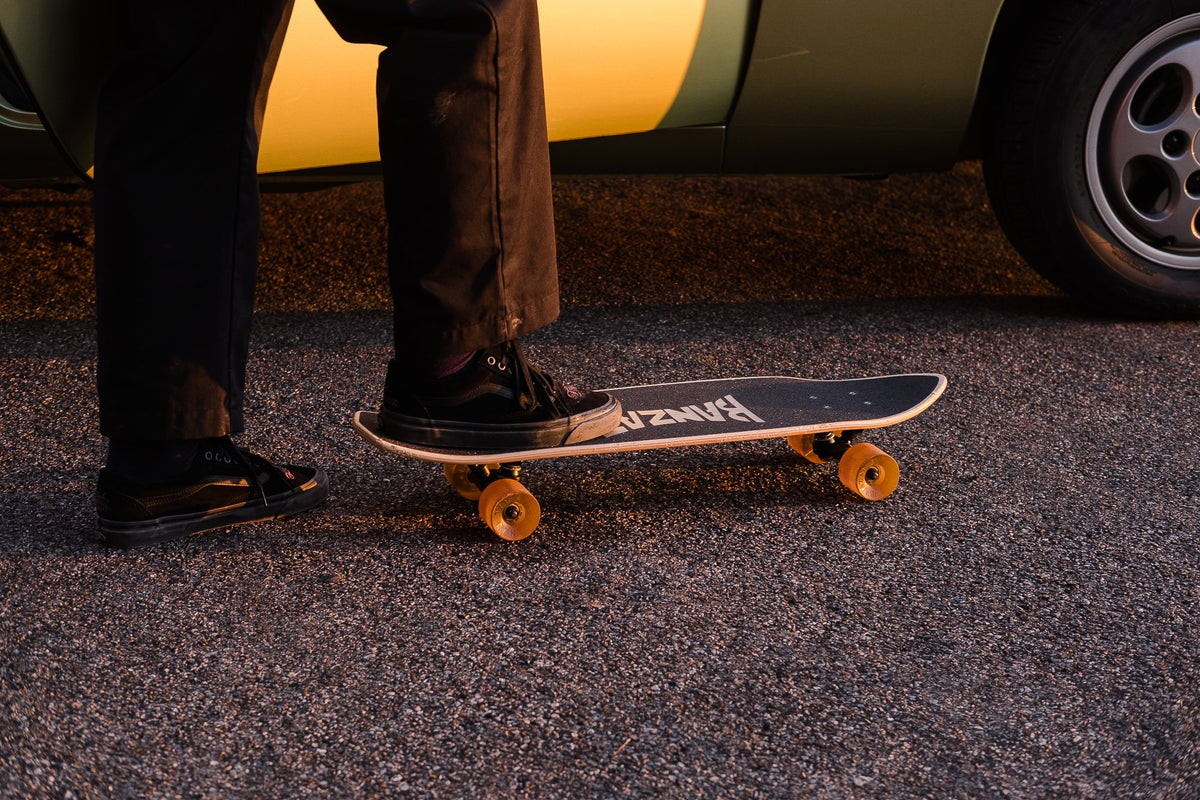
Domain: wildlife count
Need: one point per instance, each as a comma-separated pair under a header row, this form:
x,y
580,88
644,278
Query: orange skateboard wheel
x,y
509,509
868,472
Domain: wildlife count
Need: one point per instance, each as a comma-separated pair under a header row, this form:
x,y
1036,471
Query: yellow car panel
x,y
615,66
321,106
604,76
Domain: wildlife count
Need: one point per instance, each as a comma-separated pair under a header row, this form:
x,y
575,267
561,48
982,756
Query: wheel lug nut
x,y
1176,143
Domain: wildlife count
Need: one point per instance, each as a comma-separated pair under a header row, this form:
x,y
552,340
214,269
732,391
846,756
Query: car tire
x,y
1091,149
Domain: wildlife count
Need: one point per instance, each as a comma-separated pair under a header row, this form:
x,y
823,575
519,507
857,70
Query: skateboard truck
x,y
862,468
822,447
505,506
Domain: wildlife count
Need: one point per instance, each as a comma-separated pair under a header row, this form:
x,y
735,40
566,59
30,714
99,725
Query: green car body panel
x,y
711,83
869,86
56,48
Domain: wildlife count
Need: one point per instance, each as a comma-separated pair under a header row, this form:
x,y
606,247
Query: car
x,y
1085,113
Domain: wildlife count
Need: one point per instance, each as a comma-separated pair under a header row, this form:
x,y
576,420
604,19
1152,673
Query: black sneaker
x,y
224,486
497,402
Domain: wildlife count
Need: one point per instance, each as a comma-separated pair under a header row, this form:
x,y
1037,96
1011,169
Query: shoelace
x,y
247,460
530,380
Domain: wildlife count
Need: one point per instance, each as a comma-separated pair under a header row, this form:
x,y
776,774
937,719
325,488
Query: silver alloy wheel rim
x,y
1143,147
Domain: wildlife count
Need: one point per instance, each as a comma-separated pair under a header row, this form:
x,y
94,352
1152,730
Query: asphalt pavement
x,y
1018,620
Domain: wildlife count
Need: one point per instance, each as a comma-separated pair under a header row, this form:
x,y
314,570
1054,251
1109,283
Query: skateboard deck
x,y
819,419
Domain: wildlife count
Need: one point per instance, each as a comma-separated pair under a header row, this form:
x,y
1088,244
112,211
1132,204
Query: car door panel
x,y
871,86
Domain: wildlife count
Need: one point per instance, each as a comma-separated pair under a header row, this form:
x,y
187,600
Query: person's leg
x,y
176,213
462,133
462,136
462,127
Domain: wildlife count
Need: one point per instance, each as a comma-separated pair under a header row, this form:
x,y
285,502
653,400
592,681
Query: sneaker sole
x,y
133,534
518,436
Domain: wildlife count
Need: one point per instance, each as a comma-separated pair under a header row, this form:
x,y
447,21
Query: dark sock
x,y
418,367
151,461
446,366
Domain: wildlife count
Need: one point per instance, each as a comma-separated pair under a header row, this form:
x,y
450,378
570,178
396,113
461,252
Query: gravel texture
x,y
1018,620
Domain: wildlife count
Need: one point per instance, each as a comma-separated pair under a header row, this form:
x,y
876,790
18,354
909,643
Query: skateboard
x,y
819,419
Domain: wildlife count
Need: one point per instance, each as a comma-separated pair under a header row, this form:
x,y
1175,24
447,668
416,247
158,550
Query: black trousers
x,y
462,134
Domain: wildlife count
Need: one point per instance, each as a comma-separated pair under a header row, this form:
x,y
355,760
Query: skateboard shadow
x,y
419,506
716,475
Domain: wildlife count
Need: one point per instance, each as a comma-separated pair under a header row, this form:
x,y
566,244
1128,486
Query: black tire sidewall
x,y
1036,161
